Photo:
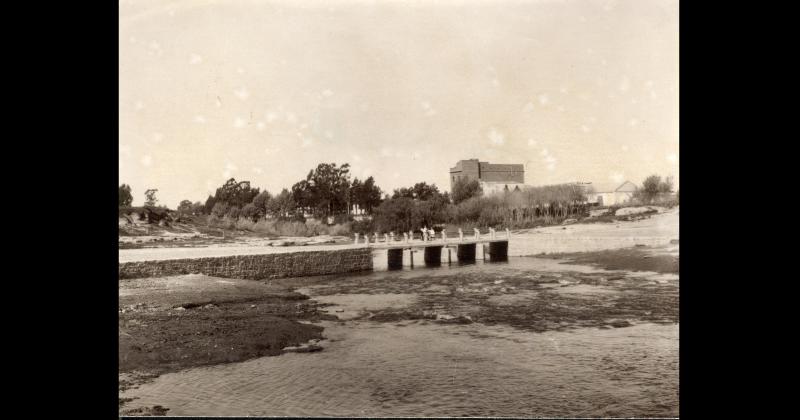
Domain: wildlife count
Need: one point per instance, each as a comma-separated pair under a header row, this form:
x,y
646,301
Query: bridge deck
x,y
425,244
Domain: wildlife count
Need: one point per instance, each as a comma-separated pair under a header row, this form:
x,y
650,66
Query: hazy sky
x,y
263,91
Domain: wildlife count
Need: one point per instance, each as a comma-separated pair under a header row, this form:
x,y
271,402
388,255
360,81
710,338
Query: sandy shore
x,y
657,230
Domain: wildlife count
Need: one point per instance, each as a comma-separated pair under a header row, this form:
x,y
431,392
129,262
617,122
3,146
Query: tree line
x,y
328,190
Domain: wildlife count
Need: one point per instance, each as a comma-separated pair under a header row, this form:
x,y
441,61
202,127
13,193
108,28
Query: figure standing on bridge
x,y
391,234
460,235
405,236
477,233
424,234
491,233
444,236
376,237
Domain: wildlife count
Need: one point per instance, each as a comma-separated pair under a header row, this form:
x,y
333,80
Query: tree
x,y
420,191
366,194
125,196
209,206
197,208
235,194
220,209
185,207
150,197
282,204
326,189
653,187
250,211
261,200
465,189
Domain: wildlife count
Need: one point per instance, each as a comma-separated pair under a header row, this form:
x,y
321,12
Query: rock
x,y
252,306
180,308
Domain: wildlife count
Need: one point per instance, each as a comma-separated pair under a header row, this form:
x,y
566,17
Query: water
x,y
414,369
422,368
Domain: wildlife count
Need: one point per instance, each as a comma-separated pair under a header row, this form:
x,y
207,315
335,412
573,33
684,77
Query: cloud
x,y
271,150
229,170
625,84
528,107
239,122
496,138
672,158
158,137
291,118
429,111
625,148
271,117
633,122
258,170
548,159
139,105
242,93
544,99
240,70
356,158
617,177
307,142
260,126
199,119
585,128
532,143
328,134
147,160
195,59
327,92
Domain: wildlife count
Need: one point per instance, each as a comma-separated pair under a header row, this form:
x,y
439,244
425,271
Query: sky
x,y
576,90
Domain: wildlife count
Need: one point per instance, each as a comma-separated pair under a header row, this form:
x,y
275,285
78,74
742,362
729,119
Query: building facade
x,y
610,194
493,177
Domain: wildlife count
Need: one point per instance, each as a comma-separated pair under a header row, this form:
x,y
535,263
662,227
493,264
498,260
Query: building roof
x,y
606,187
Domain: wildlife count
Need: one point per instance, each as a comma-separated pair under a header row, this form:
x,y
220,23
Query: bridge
x,y
434,248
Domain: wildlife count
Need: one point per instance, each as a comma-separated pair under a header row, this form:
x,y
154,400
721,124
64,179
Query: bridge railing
x,y
449,236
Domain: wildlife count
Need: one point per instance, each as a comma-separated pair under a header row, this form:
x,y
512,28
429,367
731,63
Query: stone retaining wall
x,y
256,267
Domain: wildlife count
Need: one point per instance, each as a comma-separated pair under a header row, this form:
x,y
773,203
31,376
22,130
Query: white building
x,y
490,188
610,194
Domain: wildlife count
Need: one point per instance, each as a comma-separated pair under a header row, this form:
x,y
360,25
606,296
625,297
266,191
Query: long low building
x,y
604,194
493,178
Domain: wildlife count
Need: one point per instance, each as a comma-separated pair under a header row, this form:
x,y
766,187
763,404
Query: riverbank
x,y
172,325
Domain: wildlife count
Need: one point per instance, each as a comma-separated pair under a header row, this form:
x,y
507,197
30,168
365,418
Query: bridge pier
x,y
466,252
395,258
498,251
433,255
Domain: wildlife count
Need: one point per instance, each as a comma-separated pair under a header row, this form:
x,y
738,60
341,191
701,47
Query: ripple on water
x,y
420,369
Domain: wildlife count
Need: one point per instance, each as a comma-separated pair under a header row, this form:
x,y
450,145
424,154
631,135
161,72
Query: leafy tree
x,y
420,191
208,207
653,186
150,197
236,194
261,201
125,196
250,211
197,208
465,189
220,209
325,189
366,194
234,212
282,204
185,207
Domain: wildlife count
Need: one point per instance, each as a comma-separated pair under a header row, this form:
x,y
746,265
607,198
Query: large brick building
x,y
493,177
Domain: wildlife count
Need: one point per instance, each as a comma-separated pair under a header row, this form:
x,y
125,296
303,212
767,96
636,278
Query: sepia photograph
x,y
398,208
